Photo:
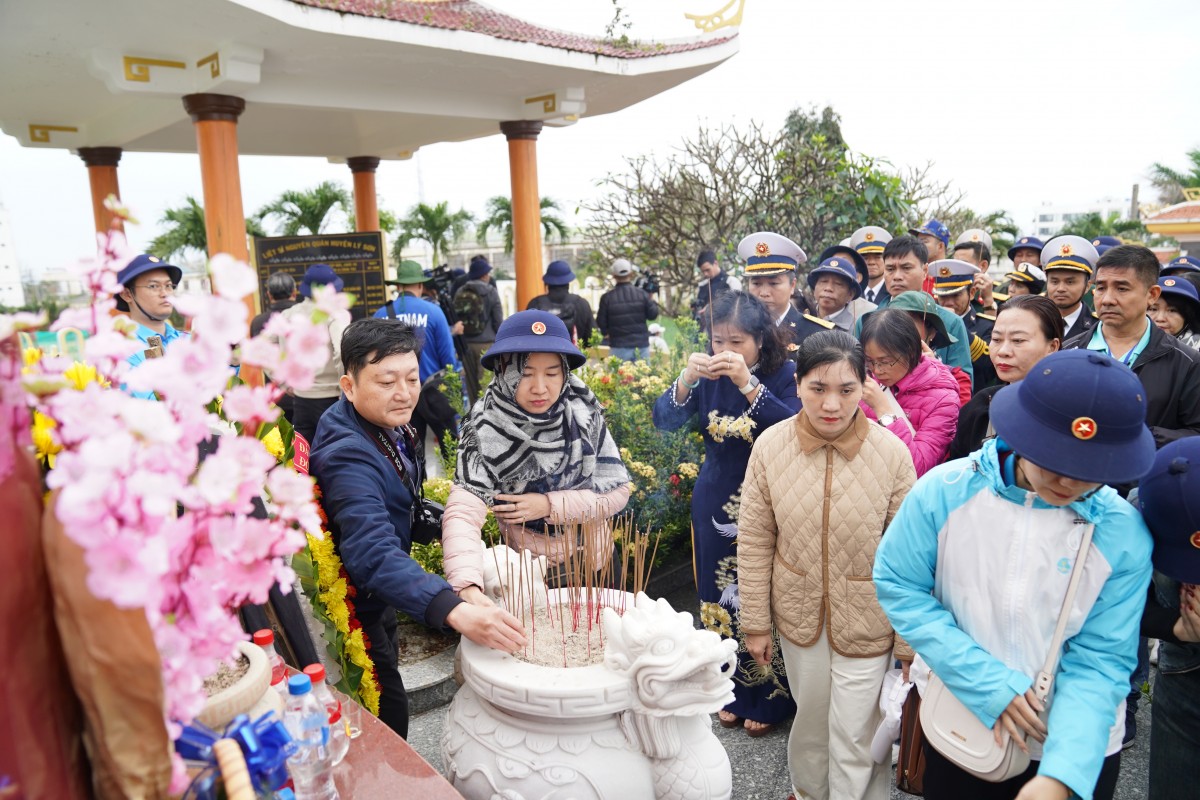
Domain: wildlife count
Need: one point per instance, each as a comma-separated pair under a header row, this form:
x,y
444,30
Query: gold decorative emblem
x,y
41,133
153,258
538,328
1195,540
1065,250
1025,240
833,262
761,249
1096,242
1083,428
1169,282
868,237
974,237
726,17
944,272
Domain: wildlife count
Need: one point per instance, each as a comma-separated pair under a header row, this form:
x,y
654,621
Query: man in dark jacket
x,y
481,316
363,460
573,310
714,283
1126,284
624,313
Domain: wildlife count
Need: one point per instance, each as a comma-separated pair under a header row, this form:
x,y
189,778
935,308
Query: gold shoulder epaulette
x,y
819,321
979,348
988,317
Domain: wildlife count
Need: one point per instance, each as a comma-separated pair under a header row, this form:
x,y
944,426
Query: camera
x,y
647,282
427,521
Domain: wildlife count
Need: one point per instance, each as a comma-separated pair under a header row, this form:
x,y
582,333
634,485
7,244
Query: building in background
x,y
1051,217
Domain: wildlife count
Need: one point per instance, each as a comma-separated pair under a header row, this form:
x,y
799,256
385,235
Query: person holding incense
x,y
535,449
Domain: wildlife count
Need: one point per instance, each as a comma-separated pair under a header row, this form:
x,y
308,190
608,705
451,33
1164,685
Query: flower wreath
x,y
323,579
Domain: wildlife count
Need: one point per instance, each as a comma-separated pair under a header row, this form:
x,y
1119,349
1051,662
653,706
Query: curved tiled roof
x,y
1188,210
473,17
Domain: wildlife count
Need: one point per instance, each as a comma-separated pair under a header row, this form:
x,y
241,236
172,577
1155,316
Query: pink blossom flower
x,y
251,405
332,303
232,278
261,351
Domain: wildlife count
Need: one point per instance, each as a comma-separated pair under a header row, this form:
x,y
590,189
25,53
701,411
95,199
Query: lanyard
x,y
388,448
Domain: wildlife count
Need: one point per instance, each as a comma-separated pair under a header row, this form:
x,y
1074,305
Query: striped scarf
x,y
504,449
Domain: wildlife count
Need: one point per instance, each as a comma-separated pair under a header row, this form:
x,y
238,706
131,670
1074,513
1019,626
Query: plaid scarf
x,y
504,449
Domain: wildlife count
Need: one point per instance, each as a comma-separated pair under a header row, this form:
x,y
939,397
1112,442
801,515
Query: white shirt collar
x,y
1069,320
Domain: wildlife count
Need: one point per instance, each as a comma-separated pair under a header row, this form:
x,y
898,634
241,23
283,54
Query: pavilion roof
x,y
468,15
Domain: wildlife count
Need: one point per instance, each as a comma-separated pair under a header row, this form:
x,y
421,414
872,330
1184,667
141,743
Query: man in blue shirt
x,y
147,286
435,348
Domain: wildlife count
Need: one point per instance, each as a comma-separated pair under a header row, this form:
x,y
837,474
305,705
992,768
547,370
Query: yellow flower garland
x,y
331,592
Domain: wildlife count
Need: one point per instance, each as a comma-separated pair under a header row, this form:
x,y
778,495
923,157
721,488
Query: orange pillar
x,y
215,117
366,204
526,207
102,175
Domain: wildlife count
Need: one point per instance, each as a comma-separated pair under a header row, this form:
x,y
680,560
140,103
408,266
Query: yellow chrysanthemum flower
x,y
79,375
31,355
44,442
273,441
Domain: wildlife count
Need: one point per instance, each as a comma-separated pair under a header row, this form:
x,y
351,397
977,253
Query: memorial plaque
x,y
357,258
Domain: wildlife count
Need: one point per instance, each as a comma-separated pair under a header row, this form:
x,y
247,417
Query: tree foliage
x,y
434,224
186,233
723,183
1091,225
1171,182
499,218
307,210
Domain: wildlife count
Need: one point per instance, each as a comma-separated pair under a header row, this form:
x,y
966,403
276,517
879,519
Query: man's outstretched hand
x,y
491,627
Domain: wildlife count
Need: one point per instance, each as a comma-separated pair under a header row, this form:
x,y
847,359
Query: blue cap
x,y
1169,496
767,253
1177,286
299,684
479,268
1106,241
558,274
840,265
1025,243
1080,414
319,275
1183,263
933,228
140,265
533,332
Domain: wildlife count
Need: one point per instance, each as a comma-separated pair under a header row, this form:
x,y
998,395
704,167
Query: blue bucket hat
x,y
842,262
1177,287
1025,243
1169,496
1182,264
933,228
319,275
140,265
558,274
479,268
533,332
1078,413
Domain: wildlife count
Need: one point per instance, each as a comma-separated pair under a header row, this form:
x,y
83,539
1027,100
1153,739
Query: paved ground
x,y
760,765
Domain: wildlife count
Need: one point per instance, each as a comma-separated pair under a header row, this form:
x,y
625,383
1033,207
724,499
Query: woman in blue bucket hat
x,y
535,449
1169,496
973,573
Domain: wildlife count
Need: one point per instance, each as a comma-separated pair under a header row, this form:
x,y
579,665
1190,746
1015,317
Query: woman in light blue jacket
x,y
974,569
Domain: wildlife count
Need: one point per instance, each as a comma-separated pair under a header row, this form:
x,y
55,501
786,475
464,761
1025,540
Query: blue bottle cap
x,y
299,684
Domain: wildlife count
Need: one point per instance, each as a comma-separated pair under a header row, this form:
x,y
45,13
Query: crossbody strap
x,y
1045,679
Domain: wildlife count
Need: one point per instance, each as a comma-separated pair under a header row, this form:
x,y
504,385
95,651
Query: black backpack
x,y
564,311
471,310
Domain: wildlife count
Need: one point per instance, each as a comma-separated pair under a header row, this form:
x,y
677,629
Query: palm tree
x,y
307,210
499,218
1091,225
433,224
1171,183
186,232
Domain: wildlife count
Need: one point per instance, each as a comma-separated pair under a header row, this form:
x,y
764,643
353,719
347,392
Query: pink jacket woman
x,y
928,395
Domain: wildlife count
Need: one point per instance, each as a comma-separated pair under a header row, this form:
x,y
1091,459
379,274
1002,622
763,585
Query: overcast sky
x,y
1019,103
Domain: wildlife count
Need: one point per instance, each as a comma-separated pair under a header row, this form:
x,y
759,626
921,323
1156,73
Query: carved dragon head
x,y
675,668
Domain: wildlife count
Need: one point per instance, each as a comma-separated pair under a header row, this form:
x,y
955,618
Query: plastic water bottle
x,y
307,721
265,639
339,739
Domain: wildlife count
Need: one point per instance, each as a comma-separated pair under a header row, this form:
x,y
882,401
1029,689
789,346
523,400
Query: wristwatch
x,y
751,385
888,419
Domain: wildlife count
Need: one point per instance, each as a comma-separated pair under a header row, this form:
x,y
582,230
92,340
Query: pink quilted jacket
x,y
929,396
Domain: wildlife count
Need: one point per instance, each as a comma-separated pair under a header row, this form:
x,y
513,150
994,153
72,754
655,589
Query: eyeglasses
x,y
886,363
158,288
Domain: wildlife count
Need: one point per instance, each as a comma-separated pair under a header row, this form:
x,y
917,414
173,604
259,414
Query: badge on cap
x,y
944,271
833,262
761,249
152,258
538,327
1096,242
868,237
1083,428
1025,240
1195,540
1065,250
974,237
1169,282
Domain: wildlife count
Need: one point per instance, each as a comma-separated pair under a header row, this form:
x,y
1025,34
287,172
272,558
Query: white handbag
x,y
955,732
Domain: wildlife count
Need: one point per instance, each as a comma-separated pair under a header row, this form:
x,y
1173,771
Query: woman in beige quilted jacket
x,y
820,490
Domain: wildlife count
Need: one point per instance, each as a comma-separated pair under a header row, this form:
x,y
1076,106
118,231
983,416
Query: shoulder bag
x,y
954,731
